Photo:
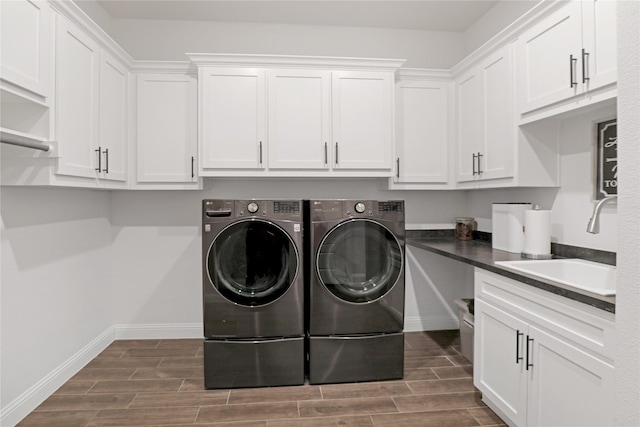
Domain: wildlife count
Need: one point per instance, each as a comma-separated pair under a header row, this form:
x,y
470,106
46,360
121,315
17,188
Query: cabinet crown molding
x,y
287,61
423,73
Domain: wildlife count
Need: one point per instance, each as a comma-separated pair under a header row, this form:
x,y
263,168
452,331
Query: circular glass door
x,y
252,262
359,261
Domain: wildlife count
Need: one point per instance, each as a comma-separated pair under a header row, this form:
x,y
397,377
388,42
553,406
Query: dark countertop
x,y
480,254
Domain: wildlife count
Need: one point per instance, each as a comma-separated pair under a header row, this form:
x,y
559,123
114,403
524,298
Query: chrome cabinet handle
x,y
479,168
260,162
572,71
192,171
473,164
106,160
585,66
398,167
336,153
518,357
99,152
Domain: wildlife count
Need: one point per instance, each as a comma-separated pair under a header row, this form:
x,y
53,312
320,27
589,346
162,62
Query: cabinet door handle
x,y
398,167
192,171
572,71
336,153
585,66
479,168
528,364
99,152
106,160
473,164
260,160
326,154
518,357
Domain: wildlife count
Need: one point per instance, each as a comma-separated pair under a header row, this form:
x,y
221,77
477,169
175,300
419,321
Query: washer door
x,y
252,262
359,261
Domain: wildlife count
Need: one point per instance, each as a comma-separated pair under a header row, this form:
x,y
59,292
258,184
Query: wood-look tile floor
x,y
160,383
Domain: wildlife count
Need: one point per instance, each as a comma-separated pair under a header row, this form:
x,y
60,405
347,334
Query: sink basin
x,y
578,273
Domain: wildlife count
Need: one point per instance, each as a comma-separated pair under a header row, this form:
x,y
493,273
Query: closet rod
x,y
34,145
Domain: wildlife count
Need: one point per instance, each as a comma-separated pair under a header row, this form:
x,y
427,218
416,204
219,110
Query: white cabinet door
x,y
232,118
550,58
25,42
499,136
599,43
469,124
299,126
422,132
76,100
167,128
113,114
568,387
362,120
499,360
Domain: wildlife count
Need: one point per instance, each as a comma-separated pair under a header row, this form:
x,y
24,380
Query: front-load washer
x,y
356,290
253,293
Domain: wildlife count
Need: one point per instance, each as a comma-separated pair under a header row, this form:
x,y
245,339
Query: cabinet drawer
x,y
588,327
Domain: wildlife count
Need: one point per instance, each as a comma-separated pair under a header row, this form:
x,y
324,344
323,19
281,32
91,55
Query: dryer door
x,y
252,262
359,261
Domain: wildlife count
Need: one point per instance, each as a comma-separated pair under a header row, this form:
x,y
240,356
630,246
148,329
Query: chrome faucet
x,y
594,222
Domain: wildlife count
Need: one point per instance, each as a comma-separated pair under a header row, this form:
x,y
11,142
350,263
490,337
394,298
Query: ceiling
x,y
451,15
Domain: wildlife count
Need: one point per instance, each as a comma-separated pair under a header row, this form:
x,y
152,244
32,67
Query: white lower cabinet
x,y
539,360
166,137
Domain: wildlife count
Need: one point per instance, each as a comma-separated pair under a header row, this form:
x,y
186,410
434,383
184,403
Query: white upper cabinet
x,y
25,42
90,107
232,109
362,120
485,126
422,132
299,105
295,116
166,123
568,53
113,119
77,100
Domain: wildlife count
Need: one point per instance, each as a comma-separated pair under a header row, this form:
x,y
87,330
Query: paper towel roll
x,y
537,232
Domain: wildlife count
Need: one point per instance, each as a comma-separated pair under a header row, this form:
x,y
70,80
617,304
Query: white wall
x,y
496,19
170,40
55,289
627,385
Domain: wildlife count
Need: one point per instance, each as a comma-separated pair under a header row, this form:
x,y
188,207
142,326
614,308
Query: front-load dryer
x,y
356,290
253,292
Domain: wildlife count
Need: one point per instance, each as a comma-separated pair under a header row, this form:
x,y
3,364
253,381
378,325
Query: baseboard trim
x,y
24,404
158,331
430,323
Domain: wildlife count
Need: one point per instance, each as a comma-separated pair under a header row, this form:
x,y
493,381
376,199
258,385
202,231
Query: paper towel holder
x,y
535,256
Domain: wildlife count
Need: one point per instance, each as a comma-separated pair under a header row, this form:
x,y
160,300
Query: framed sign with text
x,y
606,159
